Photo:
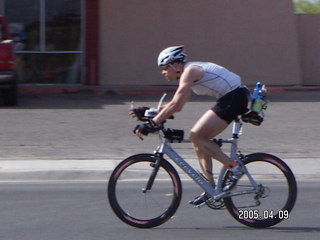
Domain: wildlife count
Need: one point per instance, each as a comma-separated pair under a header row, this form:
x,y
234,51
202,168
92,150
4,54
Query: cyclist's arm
x,y
182,94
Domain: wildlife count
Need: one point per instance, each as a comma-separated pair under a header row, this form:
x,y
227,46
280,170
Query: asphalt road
x,y
76,211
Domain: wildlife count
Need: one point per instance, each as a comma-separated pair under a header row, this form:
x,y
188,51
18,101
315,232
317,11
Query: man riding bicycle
x,y
202,78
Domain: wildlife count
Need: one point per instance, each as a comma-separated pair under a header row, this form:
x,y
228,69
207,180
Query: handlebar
x,y
145,114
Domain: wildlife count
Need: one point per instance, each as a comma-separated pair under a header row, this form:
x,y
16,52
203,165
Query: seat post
x,y
237,128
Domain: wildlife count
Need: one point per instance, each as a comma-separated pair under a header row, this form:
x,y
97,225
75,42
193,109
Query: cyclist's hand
x,y
145,129
138,112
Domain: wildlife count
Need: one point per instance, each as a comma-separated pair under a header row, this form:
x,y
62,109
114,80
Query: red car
x,y
8,82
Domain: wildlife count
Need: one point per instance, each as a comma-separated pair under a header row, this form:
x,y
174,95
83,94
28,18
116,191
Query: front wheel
x,y
275,195
138,201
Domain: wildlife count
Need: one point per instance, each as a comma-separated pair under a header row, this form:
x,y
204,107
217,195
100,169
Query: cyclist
x,y
203,78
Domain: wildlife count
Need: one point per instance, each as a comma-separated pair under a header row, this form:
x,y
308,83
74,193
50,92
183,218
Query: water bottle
x,y
257,104
258,98
256,90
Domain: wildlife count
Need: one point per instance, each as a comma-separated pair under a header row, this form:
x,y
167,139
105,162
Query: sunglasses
x,y
165,68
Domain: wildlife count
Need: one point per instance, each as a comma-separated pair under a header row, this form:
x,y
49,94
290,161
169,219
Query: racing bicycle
x,y
145,190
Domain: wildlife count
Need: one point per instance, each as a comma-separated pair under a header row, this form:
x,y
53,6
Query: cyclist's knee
x,y
195,137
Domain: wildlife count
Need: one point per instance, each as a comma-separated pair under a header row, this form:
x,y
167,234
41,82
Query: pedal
x,y
199,199
191,202
201,205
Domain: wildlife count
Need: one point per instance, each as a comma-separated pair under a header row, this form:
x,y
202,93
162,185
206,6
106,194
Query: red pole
x,y
92,42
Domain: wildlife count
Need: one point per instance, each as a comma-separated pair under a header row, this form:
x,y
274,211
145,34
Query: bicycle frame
x,y
217,192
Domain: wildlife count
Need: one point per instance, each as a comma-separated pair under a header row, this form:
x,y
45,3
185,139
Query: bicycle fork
x,y
155,166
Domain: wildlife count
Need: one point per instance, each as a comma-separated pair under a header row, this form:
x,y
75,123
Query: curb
x,y
55,170
102,175
100,170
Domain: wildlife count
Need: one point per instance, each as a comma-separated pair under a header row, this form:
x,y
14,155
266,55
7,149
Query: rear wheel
x,y
275,199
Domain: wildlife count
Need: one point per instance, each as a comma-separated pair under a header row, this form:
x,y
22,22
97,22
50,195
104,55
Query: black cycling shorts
x,y
232,104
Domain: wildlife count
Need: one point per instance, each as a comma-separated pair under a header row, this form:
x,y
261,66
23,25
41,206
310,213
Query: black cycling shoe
x,y
202,198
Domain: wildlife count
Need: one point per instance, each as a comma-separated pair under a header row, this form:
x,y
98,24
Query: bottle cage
x,y
253,118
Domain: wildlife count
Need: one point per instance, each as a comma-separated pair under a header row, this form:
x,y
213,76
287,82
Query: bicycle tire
x,y
168,188
266,217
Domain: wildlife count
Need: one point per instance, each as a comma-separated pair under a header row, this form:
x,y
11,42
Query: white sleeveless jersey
x,y
217,81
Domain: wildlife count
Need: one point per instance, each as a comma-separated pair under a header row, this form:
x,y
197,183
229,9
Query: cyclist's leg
x,y
206,166
213,122
207,127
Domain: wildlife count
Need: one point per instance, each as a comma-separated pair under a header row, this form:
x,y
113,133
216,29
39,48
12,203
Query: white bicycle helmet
x,y
171,54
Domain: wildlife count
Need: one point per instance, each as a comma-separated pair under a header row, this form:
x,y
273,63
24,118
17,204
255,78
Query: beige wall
x,y
256,39
309,41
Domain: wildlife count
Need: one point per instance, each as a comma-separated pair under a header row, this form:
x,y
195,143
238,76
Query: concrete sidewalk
x,y
100,170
